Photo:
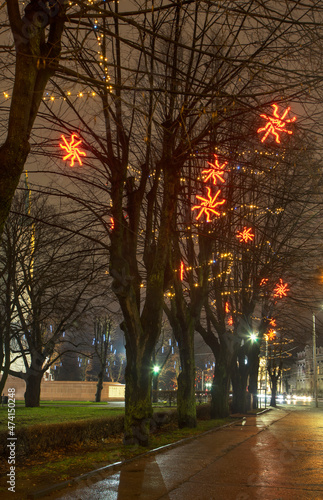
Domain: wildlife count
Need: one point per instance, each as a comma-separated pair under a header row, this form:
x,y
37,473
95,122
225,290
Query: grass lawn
x,y
52,414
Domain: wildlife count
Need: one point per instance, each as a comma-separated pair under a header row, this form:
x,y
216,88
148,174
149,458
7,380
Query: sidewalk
x,y
275,456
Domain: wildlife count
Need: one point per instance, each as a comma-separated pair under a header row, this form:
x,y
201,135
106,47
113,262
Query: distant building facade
x,y
302,377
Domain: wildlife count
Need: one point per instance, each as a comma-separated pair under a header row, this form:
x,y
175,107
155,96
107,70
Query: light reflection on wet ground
x,y
275,456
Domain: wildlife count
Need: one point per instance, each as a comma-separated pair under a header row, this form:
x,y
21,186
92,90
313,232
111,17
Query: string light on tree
x,y
281,289
208,205
276,124
245,235
72,150
264,282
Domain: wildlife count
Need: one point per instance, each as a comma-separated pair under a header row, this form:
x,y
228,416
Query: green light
x,y
253,337
156,369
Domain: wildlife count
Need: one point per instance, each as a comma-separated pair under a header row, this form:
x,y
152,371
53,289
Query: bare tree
x,y
56,280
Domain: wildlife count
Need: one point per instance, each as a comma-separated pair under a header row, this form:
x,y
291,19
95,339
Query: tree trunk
x,y
29,84
220,390
253,388
99,387
155,387
5,356
12,161
253,373
186,404
138,409
273,380
32,394
239,384
273,393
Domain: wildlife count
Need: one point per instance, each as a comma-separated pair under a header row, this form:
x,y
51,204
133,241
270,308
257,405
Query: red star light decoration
x,y
245,235
276,124
72,150
208,205
216,172
281,289
271,335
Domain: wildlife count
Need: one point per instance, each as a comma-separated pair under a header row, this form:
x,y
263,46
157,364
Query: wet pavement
x,y
275,456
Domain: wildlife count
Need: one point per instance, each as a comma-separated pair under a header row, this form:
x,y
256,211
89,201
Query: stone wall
x,y
68,391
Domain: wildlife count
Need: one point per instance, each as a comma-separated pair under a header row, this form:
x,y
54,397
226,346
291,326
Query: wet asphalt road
x,y
275,456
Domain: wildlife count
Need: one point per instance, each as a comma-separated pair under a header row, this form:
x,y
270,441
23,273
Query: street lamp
x,y
154,383
253,337
266,369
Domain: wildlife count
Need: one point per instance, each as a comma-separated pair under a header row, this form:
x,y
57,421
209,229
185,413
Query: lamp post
x,y
266,366
156,370
314,363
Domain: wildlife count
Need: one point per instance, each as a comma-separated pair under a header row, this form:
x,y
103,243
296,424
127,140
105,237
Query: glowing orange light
x,y
276,124
273,322
271,335
227,307
208,205
264,281
245,235
281,289
111,223
230,321
216,172
72,150
182,271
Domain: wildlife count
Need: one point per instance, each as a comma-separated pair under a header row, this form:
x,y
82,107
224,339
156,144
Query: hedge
x,y
37,438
